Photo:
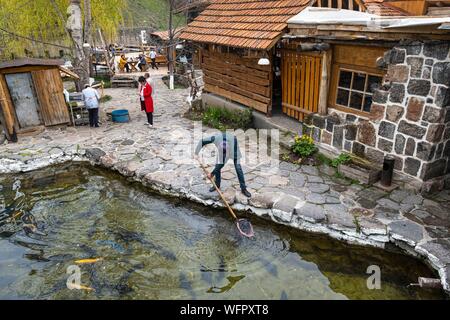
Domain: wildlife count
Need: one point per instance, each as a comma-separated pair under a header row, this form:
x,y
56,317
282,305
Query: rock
x,y
374,155
435,132
411,129
317,198
397,93
338,136
432,114
284,208
350,132
407,231
310,170
380,96
397,73
394,113
395,56
358,149
442,97
366,133
416,64
433,169
127,142
414,109
425,151
278,181
230,195
438,50
412,166
202,191
419,87
437,250
370,226
94,154
399,144
264,200
310,212
385,145
326,137
318,187
337,215
441,73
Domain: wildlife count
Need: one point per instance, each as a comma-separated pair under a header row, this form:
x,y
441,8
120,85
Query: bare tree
x,y
74,26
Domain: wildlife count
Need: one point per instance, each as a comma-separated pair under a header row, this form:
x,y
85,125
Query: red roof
x,y
255,24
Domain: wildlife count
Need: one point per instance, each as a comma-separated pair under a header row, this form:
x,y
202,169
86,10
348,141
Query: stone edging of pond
x,y
278,207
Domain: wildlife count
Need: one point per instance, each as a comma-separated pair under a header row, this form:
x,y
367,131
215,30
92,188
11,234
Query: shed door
x,y
51,98
301,73
23,95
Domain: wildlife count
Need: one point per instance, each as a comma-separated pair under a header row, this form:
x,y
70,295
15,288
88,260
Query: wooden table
x,y
133,65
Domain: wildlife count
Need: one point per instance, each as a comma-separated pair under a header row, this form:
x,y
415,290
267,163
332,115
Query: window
x,y
355,89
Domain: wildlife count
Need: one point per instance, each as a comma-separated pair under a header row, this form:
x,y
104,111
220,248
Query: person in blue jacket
x,y
227,147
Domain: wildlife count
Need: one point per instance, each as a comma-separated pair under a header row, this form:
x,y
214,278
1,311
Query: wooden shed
x,y
31,95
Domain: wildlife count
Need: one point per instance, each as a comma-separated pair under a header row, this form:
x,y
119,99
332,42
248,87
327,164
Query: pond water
x,y
153,247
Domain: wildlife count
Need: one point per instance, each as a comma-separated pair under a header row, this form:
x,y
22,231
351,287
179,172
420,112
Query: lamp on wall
x,y
264,61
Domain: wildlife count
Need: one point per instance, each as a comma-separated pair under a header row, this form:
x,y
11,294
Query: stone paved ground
x,y
304,197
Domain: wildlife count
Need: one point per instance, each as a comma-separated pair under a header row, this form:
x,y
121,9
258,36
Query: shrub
x,y
222,119
341,159
105,98
303,146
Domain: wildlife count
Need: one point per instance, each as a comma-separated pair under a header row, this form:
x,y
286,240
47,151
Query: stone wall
x,y
409,118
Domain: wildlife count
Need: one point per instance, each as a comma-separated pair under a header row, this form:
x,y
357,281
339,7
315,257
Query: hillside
x,y
150,12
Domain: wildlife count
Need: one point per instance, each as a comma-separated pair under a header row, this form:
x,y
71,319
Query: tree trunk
x,y
75,27
88,32
170,51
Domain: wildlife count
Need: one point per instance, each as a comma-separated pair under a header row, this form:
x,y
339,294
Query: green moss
x,y
223,119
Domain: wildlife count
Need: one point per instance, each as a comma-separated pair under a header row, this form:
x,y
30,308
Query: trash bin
x,y
388,170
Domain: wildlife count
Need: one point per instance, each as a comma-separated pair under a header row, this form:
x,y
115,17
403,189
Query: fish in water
x,y
128,236
231,282
72,286
186,285
269,266
116,246
88,261
284,296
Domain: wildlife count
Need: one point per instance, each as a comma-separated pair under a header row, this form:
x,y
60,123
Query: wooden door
x,y
23,96
300,83
51,98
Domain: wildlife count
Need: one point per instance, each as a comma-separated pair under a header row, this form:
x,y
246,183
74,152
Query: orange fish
x,y
79,287
86,261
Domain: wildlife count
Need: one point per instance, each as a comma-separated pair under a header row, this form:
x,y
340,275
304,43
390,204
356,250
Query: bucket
x,y
120,115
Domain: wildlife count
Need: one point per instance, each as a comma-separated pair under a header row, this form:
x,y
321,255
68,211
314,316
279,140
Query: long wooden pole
x,y
218,190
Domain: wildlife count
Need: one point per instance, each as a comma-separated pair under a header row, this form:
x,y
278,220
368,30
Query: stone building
x,y
388,92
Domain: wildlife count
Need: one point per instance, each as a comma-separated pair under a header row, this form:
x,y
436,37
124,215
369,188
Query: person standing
x,y
227,147
146,100
153,58
91,102
152,83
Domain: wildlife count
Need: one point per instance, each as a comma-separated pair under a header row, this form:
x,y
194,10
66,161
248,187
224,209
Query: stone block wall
x,y
409,118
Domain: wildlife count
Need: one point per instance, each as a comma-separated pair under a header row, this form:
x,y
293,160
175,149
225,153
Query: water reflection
x,y
149,247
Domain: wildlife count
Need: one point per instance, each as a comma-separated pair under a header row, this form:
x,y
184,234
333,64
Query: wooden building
x,y
234,36
31,95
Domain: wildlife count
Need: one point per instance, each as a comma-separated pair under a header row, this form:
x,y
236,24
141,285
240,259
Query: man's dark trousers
x,y
93,117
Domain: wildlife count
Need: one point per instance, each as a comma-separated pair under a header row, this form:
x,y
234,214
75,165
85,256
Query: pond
x,y
152,247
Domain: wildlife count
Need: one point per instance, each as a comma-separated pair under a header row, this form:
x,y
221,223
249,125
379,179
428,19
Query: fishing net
x,y
245,228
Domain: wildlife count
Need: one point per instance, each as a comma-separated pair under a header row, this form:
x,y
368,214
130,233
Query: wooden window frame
x,y
337,67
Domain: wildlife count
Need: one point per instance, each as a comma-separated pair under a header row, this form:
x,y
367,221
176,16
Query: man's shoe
x,y
246,193
212,189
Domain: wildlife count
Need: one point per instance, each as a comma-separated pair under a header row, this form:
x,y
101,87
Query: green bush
x,y
105,98
341,159
303,146
222,119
